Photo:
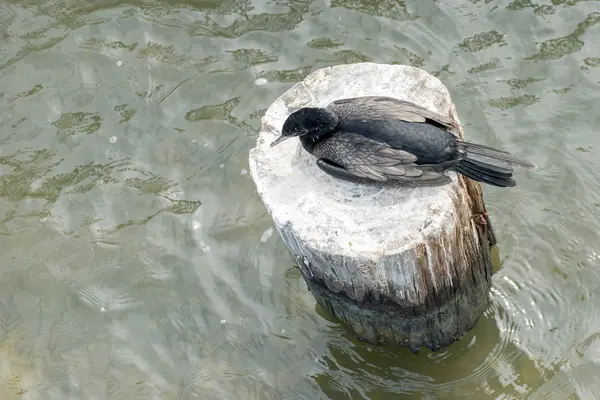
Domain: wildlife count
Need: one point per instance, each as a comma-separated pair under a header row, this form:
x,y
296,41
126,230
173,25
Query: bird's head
x,y
311,121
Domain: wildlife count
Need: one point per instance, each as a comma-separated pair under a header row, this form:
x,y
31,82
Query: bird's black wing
x,y
382,107
369,159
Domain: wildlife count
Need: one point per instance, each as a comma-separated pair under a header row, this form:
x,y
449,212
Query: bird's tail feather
x,y
482,172
486,164
496,157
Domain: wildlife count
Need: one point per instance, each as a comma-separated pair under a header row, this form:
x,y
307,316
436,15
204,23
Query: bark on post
x,y
407,266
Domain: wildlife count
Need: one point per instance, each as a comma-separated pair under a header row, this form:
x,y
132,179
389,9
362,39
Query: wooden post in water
x,y
407,266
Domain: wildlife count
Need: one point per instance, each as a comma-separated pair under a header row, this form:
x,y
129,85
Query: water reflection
x,y
483,361
139,262
270,22
482,40
556,48
387,8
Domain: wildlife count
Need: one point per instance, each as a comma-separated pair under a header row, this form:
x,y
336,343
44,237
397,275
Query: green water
x,y
138,262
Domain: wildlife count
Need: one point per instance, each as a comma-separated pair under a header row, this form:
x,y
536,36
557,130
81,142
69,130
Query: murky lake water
x,y
137,260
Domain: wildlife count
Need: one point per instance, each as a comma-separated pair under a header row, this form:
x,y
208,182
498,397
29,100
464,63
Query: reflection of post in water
x,y
406,266
484,364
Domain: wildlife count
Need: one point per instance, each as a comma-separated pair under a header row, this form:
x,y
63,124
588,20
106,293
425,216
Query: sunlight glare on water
x,y
138,262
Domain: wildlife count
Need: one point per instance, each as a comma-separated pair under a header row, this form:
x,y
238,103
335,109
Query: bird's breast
x,y
337,148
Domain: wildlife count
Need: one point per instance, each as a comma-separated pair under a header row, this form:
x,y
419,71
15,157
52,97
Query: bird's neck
x,y
310,139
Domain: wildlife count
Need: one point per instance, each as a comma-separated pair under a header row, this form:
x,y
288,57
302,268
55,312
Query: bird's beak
x,y
279,140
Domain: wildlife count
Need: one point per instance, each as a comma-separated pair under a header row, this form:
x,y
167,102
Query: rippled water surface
x,y
138,262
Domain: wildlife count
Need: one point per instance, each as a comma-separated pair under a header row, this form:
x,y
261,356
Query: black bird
x,y
383,139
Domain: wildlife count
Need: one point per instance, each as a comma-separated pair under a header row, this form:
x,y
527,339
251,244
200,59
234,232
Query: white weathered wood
x,y
373,244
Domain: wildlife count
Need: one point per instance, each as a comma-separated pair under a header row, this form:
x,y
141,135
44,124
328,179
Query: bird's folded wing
x,y
381,107
370,159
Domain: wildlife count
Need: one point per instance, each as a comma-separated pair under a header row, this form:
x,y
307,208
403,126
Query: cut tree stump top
x,y
363,224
